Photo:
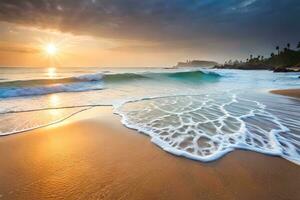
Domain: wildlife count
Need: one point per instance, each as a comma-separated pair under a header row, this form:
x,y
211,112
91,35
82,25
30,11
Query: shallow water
x,y
201,115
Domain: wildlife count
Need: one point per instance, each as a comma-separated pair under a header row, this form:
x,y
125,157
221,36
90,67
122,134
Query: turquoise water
x,y
200,114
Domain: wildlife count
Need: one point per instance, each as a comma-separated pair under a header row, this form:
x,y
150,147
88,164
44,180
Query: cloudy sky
x,y
132,33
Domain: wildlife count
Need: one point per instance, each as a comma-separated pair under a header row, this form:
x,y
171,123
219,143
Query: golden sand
x,y
93,156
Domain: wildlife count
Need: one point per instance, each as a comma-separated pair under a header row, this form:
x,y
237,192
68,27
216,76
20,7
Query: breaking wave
x,y
92,82
48,86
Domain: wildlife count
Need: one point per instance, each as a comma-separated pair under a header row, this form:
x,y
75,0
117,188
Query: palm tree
x,y
251,56
277,48
288,45
272,54
262,57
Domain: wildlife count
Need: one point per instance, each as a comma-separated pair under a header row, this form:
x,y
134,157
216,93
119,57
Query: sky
x,y
143,33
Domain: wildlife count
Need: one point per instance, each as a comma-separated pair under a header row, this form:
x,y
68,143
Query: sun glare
x,y
54,100
51,72
51,49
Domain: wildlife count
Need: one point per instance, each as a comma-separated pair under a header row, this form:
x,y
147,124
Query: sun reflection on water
x,y
51,72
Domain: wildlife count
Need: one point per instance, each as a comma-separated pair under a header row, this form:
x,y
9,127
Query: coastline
x,y
93,156
288,92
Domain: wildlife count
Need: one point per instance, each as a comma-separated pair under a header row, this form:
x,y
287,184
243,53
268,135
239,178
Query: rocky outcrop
x,y
286,69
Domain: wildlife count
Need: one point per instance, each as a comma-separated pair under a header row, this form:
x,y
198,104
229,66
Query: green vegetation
x,y
284,60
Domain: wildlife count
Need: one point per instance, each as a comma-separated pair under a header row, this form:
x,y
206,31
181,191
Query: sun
x,y
51,49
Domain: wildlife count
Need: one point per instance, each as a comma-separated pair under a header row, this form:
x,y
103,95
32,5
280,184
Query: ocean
x,y
197,113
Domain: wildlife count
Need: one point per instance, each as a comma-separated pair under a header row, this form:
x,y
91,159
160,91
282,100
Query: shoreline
x,y
93,156
287,92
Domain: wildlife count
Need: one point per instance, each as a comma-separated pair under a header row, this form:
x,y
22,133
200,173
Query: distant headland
x,y
196,63
284,60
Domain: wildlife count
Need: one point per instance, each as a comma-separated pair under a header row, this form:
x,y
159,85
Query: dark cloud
x,y
248,21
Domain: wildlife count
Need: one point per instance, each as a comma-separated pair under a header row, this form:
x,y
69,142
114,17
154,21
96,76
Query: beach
x,y
93,156
149,100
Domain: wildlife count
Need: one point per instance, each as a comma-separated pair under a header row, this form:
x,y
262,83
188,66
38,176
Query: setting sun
x,y
51,49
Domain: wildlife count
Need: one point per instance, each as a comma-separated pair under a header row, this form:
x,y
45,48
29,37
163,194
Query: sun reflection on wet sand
x,y
55,112
54,100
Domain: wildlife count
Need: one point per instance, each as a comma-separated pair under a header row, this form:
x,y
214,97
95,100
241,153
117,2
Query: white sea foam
x,y
25,121
205,127
90,77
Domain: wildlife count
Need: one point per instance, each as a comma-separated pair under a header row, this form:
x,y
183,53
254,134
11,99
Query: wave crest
x,y
49,86
95,82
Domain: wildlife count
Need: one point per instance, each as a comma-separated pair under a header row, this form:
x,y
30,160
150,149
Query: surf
x,y
197,114
95,81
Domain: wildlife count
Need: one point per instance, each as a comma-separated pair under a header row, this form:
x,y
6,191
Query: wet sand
x,y
93,156
289,92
